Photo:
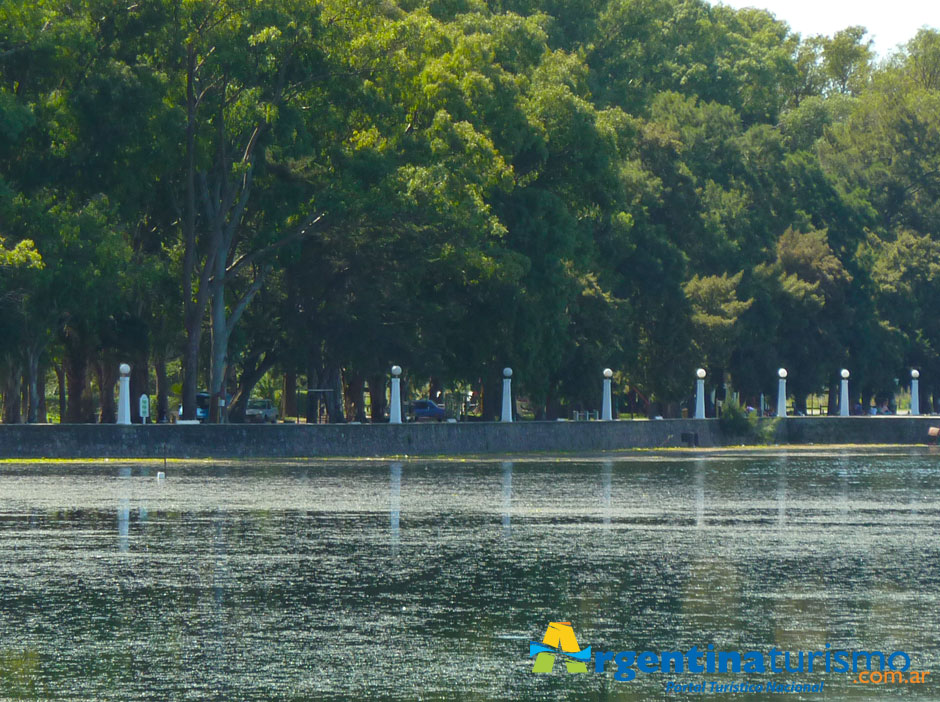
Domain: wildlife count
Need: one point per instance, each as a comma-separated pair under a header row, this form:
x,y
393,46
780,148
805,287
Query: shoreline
x,y
634,454
453,441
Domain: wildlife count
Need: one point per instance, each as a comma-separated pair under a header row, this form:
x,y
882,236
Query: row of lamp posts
x,y
782,393
394,415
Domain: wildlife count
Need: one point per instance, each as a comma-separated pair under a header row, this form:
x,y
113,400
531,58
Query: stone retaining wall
x,y
465,438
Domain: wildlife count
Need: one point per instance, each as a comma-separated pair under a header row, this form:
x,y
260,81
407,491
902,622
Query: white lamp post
x,y
607,413
394,410
915,393
782,393
507,395
844,395
124,396
700,394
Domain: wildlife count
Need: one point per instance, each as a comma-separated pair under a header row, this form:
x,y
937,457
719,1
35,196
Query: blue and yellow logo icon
x,y
559,640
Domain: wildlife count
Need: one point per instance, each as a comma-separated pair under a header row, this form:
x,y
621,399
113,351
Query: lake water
x,y
429,579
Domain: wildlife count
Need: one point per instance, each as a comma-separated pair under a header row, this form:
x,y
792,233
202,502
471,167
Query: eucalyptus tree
x,y
235,71
847,60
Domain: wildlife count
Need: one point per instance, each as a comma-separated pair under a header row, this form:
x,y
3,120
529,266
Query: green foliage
x,y
23,255
847,60
715,312
733,420
763,430
650,185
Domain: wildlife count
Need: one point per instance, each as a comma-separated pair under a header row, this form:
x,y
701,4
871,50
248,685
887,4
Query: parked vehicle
x,y
427,409
262,411
202,407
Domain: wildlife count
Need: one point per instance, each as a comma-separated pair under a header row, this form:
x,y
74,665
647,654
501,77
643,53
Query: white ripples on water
x,y
427,580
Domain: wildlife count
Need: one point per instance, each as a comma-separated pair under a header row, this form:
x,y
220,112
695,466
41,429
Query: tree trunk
x,y
192,304
348,403
541,414
43,415
11,396
80,408
799,403
832,405
162,412
553,407
246,384
60,379
334,400
218,343
32,383
355,398
313,397
228,381
223,323
377,396
191,369
289,396
108,373
492,398
140,384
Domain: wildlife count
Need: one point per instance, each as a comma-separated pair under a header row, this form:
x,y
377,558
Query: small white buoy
x,y
161,475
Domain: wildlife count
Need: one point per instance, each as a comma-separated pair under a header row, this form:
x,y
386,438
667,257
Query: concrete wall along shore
x,y
431,439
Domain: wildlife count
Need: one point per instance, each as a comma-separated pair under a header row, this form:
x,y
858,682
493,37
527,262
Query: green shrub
x,y
733,420
764,431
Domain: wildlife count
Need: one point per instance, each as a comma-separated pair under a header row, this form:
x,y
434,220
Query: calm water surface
x,y
427,580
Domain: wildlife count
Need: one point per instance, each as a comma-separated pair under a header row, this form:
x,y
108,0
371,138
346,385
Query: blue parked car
x,y
202,405
427,409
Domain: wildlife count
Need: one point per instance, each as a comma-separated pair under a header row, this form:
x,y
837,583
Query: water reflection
x,y
124,510
142,511
507,498
607,472
699,494
843,470
218,636
271,582
394,506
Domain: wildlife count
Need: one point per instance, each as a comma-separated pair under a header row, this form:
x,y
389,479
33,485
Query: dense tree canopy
x,y
224,192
